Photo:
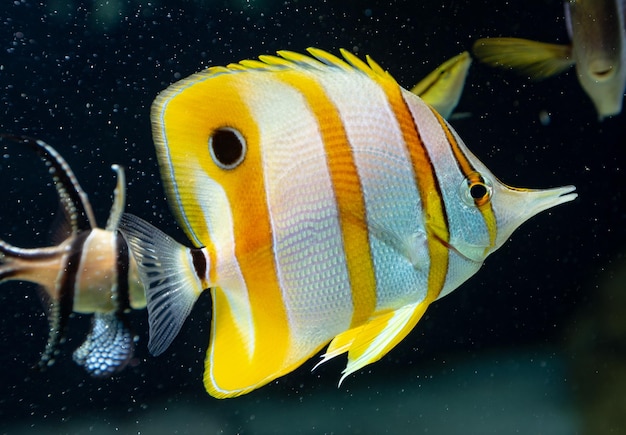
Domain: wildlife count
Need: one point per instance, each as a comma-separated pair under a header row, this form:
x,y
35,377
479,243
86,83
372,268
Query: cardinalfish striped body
x,y
325,204
89,271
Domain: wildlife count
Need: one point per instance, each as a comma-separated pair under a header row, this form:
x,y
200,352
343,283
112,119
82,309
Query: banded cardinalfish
x,y
89,271
325,204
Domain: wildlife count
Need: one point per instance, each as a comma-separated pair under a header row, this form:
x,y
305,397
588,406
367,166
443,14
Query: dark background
x,y
82,76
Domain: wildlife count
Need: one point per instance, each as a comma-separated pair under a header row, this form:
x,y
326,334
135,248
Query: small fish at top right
x,y
597,48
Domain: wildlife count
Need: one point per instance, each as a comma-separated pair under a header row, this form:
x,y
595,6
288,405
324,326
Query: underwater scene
x,y
334,175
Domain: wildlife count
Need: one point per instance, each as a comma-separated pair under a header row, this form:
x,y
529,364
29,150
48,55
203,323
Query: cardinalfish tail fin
x,y
22,264
538,60
54,268
38,265
172,275
8,268
18,263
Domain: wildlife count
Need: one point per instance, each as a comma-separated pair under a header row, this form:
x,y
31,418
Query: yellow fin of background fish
x,y
442,88
539,60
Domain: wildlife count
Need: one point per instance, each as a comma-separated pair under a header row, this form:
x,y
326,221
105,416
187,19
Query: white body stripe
x,y
96,276
307,236
392,202
466,225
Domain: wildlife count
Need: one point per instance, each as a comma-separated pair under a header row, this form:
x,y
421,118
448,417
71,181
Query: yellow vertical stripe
x,y
468,171
192,111
433,208
348,192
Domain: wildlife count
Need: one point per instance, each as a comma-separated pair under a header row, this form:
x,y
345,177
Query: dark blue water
x,y
510,351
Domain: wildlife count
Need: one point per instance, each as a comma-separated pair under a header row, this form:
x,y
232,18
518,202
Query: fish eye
x,y
475,190
227,147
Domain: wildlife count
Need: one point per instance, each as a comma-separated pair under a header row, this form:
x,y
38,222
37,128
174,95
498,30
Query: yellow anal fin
x,y
538,60
340,344
374,339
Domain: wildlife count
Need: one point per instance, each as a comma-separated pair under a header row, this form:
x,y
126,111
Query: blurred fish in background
x,y
442,88
598,49
89,271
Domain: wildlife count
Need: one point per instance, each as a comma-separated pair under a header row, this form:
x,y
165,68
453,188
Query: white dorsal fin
x,y
119,199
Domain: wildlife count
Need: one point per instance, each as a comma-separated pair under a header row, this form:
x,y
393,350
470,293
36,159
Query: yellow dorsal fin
x,y
538,60
247,64
318,59
268,59
374,339
303,59
329,59
442,88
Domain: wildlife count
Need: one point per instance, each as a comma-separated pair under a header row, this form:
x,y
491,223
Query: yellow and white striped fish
x,y
326,204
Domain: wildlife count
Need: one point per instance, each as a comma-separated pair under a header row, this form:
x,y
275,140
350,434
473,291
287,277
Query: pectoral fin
x,y
538,60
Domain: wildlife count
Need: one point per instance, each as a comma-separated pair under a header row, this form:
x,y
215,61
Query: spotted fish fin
x,y
59,313
374,339
537,59
108,348
167,272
